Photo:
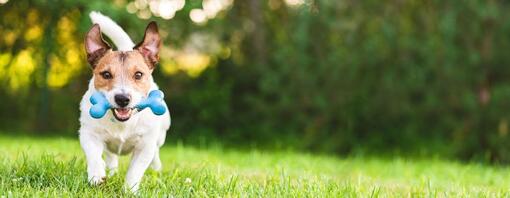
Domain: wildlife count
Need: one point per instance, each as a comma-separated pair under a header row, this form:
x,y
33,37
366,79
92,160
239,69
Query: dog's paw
x,y
97,177
96,173
96,180
131,188
156,166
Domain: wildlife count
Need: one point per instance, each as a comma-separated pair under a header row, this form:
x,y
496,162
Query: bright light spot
x,y
4,60
63,69
131,8
20,70
294,3
10,37
3,1
165,6
212,7
193,63
141,4
199,52
66,62
198,16
33,33
166,9
168,15
154,7
179,4
144,14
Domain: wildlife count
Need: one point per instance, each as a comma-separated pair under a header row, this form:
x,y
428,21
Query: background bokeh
x,y
379,77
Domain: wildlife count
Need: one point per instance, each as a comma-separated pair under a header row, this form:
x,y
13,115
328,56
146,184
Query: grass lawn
x,y
55,167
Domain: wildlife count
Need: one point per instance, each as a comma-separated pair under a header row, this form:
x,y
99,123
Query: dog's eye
x,y
138,75
106,75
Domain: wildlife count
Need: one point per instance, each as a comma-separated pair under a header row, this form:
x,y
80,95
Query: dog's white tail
x,y
119,37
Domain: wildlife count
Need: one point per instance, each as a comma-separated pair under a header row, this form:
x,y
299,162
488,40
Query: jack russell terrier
x,y
125,78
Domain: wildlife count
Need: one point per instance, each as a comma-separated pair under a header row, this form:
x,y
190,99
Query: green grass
x,y
55,167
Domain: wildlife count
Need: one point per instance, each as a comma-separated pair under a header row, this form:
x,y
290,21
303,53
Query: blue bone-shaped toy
x,y
100,104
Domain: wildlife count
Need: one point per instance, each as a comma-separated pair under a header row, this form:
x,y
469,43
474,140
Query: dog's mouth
x,y
122,114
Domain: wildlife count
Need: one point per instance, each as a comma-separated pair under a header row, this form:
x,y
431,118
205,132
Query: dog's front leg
x,y
112,162
93,148
142,157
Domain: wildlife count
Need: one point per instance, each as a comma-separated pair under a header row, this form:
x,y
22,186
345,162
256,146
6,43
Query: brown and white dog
x,y
125,78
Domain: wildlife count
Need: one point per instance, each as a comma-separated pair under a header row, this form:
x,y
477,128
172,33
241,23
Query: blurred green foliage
x,y
330,76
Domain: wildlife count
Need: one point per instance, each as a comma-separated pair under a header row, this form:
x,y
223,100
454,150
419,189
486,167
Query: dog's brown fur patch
x,y
123,66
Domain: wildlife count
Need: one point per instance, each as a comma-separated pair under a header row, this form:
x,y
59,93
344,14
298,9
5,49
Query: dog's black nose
x,y
122,100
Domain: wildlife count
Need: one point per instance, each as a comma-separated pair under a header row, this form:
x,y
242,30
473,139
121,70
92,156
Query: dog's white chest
x,y
122,138
121,145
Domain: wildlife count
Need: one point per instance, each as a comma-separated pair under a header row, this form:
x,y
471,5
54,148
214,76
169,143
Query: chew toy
x,y
99,105
154,101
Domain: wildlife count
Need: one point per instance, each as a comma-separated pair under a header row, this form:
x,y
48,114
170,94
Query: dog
x,y
124,76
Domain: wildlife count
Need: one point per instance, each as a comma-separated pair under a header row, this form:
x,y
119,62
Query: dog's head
x,y
123,77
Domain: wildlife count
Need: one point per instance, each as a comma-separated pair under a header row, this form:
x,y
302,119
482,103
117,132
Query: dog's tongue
x,y
123,112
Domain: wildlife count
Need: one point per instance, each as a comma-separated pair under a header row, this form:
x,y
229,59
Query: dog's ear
x,y
150,45
95,46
